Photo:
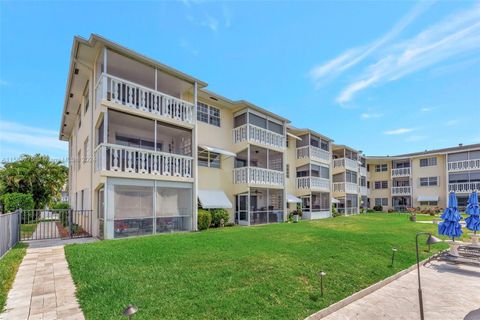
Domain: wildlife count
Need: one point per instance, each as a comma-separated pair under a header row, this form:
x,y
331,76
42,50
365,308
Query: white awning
x,y
218,150
213,199
335,200
293,136
427,198
292,199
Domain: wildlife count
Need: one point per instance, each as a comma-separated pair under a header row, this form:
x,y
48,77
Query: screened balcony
x,y
313,177
316,205
259,166
345,182
345,159
348,204
138,86
401,168
465,182
464,161
314,148
259,206
143,146
262,130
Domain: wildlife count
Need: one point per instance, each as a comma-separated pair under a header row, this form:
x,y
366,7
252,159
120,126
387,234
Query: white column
x,y
195,158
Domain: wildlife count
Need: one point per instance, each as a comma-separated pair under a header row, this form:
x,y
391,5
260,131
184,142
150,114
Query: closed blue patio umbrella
x,y
473,210
451,216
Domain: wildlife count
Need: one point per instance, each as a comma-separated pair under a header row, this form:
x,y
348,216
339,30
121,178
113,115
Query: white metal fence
x,y
9,231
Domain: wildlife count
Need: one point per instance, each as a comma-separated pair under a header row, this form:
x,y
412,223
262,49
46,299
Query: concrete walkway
x,y
450,292
43,287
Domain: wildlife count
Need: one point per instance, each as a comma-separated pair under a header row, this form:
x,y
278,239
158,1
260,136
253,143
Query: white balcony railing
x,y
314,183
141,98
464,165
345,163
251,133
363,171
314,153
254,175
399,191
464,187
347,187
109,157
401,172
363,190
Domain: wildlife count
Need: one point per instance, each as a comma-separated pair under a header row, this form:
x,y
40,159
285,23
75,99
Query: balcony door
x,y
241,209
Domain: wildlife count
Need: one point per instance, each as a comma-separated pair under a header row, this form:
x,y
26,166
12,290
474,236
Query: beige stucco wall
x,y
220,137
373,176
431,171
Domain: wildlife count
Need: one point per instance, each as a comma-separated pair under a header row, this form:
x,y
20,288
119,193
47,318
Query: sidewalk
x,y
43,287
450,292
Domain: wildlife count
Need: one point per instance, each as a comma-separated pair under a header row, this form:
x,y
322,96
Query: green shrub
x,y
335,211
390,210
217,216
60,205
16,200
204,219
229,224
370,211
377,208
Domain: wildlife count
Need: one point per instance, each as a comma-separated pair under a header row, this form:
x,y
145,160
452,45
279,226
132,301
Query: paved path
x,y
43,287
450,292
46,230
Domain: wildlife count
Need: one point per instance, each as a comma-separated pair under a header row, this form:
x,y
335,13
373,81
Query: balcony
x,y
464,187
259,176
363,190
313,183
345,163
314,153
401,191
140,98
363,171
116,158
347,187
464,165
258,135
401,172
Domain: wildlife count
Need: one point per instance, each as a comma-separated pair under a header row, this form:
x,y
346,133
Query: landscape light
x,y
393,255
321,274
129,311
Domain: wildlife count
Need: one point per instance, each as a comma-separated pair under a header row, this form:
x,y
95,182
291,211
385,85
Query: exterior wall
x,y
379,176
431,171
220,137
291,154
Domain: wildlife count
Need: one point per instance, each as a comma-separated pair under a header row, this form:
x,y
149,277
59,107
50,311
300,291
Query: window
x,y
381,201
428,162
288,171
86,100
79,114
208,159
324,145
79,162
428,203
208,114
381,167
86,151
429,181
381,184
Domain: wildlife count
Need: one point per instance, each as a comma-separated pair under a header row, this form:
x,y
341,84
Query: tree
x,y
37,175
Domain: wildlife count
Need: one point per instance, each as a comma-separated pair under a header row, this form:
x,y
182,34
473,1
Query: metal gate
x,y
55,224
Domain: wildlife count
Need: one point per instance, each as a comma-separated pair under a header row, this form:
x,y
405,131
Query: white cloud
x,y
453,36
399,131
184,43
353,56
370,115
452,123
427,109
16,133
227,16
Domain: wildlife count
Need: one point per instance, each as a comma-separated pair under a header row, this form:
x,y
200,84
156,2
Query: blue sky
x,y
383,77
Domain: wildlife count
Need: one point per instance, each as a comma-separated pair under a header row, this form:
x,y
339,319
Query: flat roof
x,y
458,148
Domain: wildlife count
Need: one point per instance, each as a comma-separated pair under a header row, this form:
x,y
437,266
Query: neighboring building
x,y
148,144
424,179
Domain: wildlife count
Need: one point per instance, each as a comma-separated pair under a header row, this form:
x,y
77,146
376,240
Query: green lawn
x,y
8,268
264,272
27,230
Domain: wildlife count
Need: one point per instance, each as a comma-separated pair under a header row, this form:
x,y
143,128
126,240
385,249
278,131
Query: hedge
x,y
217,216
15,200
204,219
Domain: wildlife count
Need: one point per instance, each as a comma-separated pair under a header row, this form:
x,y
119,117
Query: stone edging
x,y
362,293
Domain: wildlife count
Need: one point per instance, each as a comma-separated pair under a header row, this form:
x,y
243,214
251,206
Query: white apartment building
x,y
149,144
